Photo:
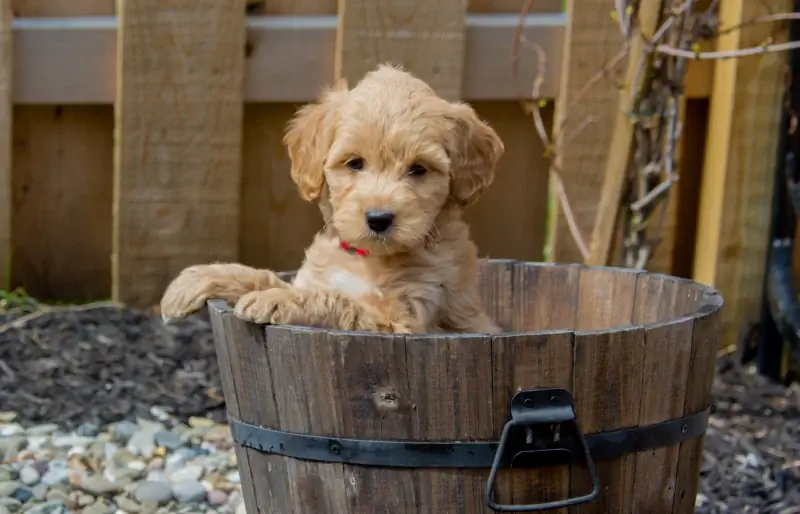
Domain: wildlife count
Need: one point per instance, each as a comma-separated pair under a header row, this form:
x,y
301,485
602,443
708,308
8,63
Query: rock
x,y
43,429
55,475
4,510
56,495
156,475
157,463
99,507
29,476
73,441
10,446
159,413
187,491
233,477
155,492
7,416
6,475
137,465
22,494
88,430
41,466
8,488
11,504
124,430
49,508
40,492
97,485
169,440
217,498
143,441
85,500
11,429
241,509
127,504
191,472
199,422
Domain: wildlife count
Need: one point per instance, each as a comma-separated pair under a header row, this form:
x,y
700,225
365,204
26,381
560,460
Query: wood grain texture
x,y
62,189
496,289
427,38
606,298
178,147
276,224
738,173
58,8
622,140
509,220
591,40
530,361
6,124
451,377
545,297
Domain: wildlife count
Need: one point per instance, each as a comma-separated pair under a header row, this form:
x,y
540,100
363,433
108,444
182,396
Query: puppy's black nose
x,y
379,221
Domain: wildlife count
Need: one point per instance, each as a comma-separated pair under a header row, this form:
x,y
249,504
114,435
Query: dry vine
x,y
657,95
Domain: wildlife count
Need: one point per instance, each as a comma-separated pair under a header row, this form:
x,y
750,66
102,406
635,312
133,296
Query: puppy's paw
x,y
274,306
188,292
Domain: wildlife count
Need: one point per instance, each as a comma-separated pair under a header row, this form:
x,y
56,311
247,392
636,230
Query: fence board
x,y
178,147
427,38
736,191
591,40
6,75
59,8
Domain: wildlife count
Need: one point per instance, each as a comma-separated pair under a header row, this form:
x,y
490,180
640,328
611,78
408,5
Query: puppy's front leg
x,y
190,290
326,309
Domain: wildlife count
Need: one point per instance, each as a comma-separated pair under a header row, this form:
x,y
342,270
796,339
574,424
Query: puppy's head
x,y
388,156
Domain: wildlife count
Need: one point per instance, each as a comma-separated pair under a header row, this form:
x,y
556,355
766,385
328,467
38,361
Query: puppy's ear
x,y
308,138
474,150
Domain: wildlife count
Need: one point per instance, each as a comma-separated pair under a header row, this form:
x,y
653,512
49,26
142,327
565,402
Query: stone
x,y
127,504
98,507
57,495
85,500
188,491
217,498
10,446
200,422
4,510
41,466
49,508
157,463
169,440
40,492
124,430
241,509
190,472
97,485
22,494
29,476
155,492
43,429
88,430
11,429
11,504
55,475
8,488
73,441
157,475
143,441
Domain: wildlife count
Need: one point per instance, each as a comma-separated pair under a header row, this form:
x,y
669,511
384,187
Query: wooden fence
x,y
146,135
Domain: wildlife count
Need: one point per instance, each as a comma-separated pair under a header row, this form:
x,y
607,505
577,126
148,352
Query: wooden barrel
x,y
620,360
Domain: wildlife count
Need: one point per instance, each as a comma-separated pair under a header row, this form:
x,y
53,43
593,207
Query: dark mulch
x,y
107,364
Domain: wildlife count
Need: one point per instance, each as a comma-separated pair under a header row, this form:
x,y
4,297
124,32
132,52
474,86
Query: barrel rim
x,y
710,303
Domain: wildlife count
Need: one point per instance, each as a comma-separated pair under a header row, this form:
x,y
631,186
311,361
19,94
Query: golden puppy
x,y
391,165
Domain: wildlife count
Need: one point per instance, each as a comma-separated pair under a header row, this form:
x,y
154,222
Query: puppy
x,y
391,166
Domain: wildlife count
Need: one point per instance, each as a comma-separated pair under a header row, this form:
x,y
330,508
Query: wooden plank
x,y
33,8
519,190
427,38
530,361
73,61
451,380
545,297
622,140
592,39
736,191
178,148
6,118
606,298
63,181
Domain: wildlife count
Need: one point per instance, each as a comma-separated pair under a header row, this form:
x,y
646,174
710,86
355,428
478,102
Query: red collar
x,y
352,249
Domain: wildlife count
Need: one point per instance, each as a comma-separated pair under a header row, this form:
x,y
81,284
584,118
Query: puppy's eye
x,y
415,170
355,164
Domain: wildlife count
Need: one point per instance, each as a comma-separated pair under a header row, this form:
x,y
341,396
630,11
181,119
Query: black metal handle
x,y
540,407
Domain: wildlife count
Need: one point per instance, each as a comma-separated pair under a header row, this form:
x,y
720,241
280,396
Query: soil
x,y
104,364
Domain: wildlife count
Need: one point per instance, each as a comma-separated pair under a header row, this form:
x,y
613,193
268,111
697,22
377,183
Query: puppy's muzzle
x,y
379,221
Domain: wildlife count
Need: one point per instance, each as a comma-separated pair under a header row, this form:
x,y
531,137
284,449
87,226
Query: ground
x,y
52,372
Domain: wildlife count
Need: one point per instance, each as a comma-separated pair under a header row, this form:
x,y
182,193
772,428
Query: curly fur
x,y
418,276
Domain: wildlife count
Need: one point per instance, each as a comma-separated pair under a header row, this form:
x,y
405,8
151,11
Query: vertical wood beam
x,y
736,189
426,37
178,128
6,107
591,40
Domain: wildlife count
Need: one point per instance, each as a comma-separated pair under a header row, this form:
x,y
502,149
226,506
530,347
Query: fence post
x,y
178,138
6,113
426,37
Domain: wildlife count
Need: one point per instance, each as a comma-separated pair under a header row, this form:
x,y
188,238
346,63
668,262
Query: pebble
x,y
142,467
29,476
158,492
